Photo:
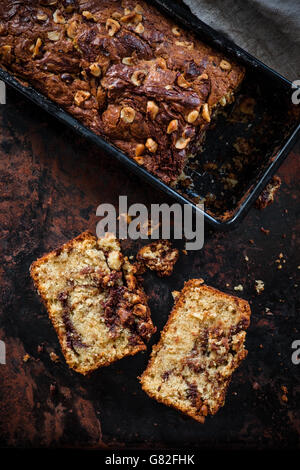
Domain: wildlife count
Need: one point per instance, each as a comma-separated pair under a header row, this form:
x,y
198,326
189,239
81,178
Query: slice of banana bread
x,y
200,347
94,301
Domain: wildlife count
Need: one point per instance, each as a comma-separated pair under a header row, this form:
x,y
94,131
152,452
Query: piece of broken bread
x,y
159,256
94,301
199,349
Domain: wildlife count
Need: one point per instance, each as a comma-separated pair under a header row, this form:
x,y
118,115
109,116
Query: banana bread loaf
x,y
124,70
200,347
97,308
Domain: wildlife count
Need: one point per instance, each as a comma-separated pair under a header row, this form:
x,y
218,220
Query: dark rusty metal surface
x,y
51,184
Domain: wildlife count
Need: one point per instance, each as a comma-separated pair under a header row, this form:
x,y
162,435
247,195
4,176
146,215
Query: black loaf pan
x,y
244,147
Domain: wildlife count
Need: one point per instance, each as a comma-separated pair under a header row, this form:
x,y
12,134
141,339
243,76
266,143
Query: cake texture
x,y
124,70
97,307
159,256
199,349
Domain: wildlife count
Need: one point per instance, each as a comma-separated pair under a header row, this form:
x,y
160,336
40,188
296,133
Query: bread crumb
x,y
26,358
54,357
239,288
259,286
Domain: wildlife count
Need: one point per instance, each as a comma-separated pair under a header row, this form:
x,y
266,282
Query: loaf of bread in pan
x,y
124,70
94,301
200,347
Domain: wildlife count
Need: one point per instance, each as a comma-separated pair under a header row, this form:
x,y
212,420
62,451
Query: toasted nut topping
x,y
53,35
152,109
182,143
192,116
205,112
71,30
116,15
139,150
139,160
112,26
137,77
139,310
223,101
128,114
37,46
203,76
127,11
182,82
161,63
151,145
132,17
173,126
95,69
139,29
139,9
88,15
224,65
176,31
41,16
187,44
58,17
128,61
5,50
81,96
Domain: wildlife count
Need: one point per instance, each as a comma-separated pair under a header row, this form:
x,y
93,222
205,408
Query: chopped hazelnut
x,y
139,150
176,31
41,16
224,65
161,63
151,145
182,143
139,9
192,116
132,17
88,15
5,50
173,126
95,69
58,17
139,29
71,30
53,35
112,26
137,77
37,46
205,112
182,82
139,160
128,61
188,45
152,109
81,96
116,15
128,114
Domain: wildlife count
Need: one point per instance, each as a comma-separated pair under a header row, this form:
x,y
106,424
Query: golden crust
x,y
245,313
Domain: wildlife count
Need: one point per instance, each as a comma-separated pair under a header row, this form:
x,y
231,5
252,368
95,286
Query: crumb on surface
x,y
159,256
259,286
268,194
54,357
239,287
26,358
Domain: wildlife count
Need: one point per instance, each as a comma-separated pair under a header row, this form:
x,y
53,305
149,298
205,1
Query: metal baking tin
x,y
257,69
